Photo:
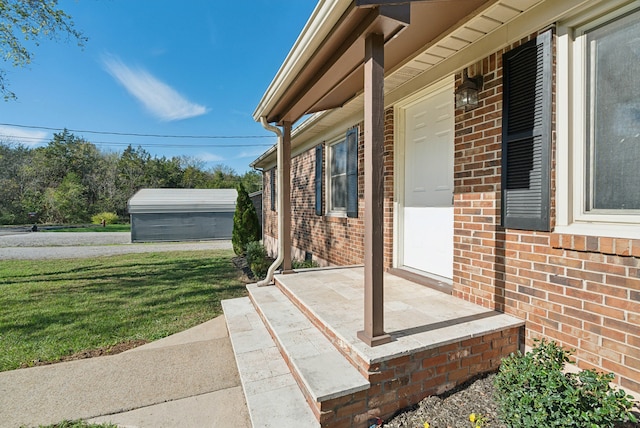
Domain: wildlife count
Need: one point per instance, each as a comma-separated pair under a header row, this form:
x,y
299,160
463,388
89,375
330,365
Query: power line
x,y
114,143
129,134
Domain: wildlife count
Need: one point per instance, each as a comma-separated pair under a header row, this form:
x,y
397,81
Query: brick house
x,y
526,202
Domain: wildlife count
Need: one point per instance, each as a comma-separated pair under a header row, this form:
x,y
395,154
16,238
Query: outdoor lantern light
x,y
467,92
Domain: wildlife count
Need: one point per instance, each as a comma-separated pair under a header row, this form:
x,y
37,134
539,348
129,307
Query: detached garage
x,y
182,214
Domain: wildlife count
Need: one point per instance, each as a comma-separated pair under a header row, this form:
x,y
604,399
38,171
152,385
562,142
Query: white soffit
x,y
459,38
467,33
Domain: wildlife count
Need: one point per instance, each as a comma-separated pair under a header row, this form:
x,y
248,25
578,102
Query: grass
x,y
55,308
94,228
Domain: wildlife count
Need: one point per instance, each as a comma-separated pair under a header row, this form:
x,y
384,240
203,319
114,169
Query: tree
x,y
13,160
246,226
30,21
223,177
252,181
67,202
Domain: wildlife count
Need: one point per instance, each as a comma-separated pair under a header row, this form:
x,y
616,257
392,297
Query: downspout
x,y
280,258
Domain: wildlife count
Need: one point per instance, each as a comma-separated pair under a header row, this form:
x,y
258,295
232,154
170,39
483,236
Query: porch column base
x,y
287,272
375,340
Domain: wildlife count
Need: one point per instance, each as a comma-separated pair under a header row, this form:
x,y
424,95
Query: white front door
x,y
428,184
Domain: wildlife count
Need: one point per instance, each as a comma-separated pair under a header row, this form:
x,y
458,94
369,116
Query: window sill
x,y
336,217
621,240
336,214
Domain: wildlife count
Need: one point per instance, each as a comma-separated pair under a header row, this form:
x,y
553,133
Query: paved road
x,y
67,245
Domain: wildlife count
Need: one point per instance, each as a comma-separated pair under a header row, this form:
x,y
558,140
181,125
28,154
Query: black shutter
x,y
319,180
273,188
352,173
526,135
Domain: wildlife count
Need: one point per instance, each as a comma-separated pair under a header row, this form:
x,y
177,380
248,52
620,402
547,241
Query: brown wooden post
x,y
373,333
285,195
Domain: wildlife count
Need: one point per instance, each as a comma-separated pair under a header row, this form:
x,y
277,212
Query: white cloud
x,y
159,98
210,157
23,136
251,153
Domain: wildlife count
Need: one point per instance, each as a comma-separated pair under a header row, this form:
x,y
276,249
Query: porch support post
x,y
373,333
284,193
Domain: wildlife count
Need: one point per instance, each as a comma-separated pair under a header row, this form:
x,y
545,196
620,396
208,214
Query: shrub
x,y
304,264
257,259
246,226
533,391
109,218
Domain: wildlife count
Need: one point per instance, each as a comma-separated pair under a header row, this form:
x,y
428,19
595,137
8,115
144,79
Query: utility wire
x,y
129,134
113,143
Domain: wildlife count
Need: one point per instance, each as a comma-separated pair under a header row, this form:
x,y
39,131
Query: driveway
x,y
68,245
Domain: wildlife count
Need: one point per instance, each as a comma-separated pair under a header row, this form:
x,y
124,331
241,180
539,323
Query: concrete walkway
x,y
188,380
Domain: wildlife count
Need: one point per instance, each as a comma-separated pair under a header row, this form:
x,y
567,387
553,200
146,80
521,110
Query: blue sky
x,y
197,67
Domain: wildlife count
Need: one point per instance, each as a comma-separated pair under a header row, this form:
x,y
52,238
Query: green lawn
x,y
54,308
94,228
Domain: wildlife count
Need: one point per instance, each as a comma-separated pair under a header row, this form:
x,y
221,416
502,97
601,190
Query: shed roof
x,y
182,200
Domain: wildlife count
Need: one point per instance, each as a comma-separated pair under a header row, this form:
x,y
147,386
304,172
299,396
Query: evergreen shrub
x,y
257,259
246,226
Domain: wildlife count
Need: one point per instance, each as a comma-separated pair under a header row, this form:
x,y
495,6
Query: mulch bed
x,y
452,409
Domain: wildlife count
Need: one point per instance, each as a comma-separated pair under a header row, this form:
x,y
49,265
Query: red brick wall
x,y
583,292
335,240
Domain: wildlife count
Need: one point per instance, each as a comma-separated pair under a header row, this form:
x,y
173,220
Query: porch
x,y
297,342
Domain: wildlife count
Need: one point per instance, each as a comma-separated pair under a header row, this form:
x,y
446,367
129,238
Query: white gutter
x,y
280,258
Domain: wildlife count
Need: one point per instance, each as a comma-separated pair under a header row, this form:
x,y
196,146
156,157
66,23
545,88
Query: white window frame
x,y
571,216
331,209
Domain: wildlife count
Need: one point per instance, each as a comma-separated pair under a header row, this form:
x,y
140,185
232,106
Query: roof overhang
x,y
324,69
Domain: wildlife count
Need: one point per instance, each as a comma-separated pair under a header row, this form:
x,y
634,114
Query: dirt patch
x,y
99,352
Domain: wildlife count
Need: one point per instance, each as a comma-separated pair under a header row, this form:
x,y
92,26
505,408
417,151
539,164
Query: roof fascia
x,y
322,21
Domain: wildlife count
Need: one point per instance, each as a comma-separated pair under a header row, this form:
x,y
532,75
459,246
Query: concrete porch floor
x,y
308,322
416,317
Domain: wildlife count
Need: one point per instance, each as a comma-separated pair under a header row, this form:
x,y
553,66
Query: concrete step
x,y
323,372
273,397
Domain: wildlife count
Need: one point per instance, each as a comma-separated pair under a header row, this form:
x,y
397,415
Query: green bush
x,y
257,259
246,225
533,391
304,264
109,218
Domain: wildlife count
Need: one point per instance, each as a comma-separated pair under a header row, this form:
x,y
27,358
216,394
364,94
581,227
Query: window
x,y
338,177
342,176
599,97
612,116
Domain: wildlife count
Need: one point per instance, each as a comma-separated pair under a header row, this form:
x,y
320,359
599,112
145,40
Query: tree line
x,y
70,179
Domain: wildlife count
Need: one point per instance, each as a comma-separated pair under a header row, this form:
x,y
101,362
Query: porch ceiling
x,y
439,30
323,74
